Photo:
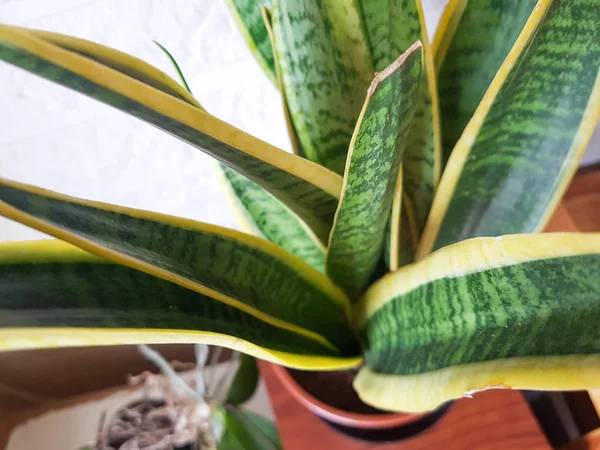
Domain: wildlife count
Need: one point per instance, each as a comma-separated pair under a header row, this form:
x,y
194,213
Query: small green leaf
x,y
245,381
175,65
266,426
242,433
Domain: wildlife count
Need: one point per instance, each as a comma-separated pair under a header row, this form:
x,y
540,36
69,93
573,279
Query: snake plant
x,y
402,234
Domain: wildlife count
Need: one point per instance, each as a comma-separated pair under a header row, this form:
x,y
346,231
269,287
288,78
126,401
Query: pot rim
x,y
339,416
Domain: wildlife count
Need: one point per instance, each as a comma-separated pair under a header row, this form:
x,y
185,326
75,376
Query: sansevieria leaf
x,y
401,237
213,261
472,40
374,159
119,80
518,311
392,26
53,294
261,214
326,68
293,135
249,19
522,146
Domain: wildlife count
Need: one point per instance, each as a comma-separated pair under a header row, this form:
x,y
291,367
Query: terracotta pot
x,y
581,204
338,416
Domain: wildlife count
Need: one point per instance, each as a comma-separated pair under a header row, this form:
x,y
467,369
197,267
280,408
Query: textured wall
x,y
66,142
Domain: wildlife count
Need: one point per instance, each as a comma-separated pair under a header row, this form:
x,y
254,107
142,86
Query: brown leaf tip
x,y
393,67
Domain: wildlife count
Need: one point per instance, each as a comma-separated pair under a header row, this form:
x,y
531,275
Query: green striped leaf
x,y
104,74
392,26
54,294
519,151
326,69
261,214
472,40
520,311
374,159
242,271
293,134
248,17
401,236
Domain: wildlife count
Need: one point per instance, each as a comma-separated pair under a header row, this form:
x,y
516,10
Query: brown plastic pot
x,y
338,416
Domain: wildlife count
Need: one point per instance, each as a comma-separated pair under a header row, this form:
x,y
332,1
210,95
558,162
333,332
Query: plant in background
x,y
198,412
357,252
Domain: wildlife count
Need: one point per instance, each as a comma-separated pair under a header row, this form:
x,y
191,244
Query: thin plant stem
x,y
164,366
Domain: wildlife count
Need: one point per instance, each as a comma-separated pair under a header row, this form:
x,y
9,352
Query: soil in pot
x,y
334,389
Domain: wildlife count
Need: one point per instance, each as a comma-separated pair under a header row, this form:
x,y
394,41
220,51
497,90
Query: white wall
x,y
64,141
